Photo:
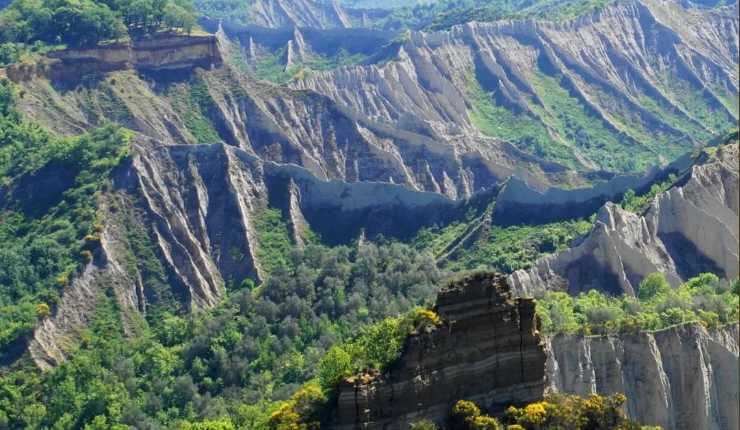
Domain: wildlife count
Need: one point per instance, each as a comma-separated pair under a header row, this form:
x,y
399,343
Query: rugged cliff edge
x,y
684,377
688,229
488,350
162,53
627,68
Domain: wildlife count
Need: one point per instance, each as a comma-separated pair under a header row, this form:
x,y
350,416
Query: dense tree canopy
x,y
260,345
705,299
88,22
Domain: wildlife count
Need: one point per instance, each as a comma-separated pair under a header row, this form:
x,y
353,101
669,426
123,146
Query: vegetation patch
x,y
525,132
556,411
639,204
704,299
226,366
275,244
85,23
194,104
46,235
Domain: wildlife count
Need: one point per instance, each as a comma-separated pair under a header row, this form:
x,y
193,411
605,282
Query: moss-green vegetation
x,y
195,105
47,233
705,299
376,346
12,52
441,15
522,130
562,126
698,103
573,121
505,249
516,247
638,204
274,242
270,67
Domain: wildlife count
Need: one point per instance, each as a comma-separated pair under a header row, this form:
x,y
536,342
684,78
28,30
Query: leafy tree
x,y
82,23
572,412
654,285
334,366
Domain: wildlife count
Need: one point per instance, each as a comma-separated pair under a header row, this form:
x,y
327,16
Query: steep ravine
x,y
185,106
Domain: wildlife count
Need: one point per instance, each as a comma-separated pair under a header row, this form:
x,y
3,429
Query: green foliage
x,y
466,415
423,425
334,366
258,346
377,346
637,204
301,411
655,286
504,249
274,242
559,411
522,130
82,23
443,14
194,103
704,299
270,66
585,132
43,233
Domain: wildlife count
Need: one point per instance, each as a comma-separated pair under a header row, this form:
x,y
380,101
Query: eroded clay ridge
x,y
683,377
691,228
629,66
196,207
488,350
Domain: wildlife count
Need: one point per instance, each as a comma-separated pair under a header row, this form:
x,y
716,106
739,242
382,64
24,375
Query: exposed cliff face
x,y
689,229
160,54
298,13
280,125
310,14
195,207
488,351
684,377
628,69
518,203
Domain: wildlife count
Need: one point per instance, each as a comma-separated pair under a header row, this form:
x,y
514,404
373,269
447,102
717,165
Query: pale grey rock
x,y
611,61
688,229
683,377
298,13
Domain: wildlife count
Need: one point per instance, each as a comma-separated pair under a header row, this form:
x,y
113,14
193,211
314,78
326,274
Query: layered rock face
x,y
689,229
628,66
162,53
488,351
684,377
